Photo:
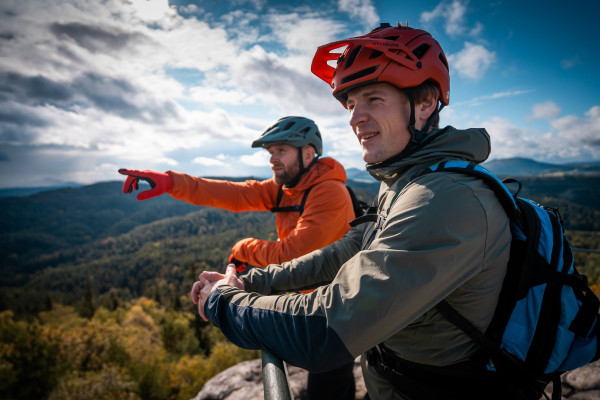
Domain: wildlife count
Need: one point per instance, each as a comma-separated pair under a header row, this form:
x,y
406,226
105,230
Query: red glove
x,y
240,266
160,182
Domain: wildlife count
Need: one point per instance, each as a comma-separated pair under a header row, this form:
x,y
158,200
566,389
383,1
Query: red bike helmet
x,y
402,56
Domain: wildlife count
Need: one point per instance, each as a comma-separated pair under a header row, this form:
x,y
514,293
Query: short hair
x,y
425,91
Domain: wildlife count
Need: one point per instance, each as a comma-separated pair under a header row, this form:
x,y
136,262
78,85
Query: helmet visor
x,y
393,50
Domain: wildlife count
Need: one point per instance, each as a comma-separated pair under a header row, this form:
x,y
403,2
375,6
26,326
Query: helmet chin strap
x,y
302,171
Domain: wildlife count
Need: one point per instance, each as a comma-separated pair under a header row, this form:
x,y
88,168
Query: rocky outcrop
x,y
582,383
244,382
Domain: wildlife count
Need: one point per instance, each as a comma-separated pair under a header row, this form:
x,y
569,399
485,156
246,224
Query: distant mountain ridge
x,y
28,191
518,166
503,167
513,167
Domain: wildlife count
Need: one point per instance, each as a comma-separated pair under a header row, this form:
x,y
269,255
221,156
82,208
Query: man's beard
x,y
287,175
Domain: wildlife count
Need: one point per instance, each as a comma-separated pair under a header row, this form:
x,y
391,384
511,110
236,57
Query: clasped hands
x,y
209,281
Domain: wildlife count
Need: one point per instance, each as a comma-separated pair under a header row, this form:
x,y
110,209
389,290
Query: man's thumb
x,y
230,270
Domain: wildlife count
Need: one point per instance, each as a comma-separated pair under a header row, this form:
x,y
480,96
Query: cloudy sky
x,y
90,86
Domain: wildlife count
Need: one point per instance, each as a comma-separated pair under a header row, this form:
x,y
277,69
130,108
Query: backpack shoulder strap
x,y
298,208
504,195
359,206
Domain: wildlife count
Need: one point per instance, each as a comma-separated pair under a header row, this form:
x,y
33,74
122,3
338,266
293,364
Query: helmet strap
x,y
417,135
303,169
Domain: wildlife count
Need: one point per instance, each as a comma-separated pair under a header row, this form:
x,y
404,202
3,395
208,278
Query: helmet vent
x,y
375,54
421,50
352,56
360,74
287,126
443,60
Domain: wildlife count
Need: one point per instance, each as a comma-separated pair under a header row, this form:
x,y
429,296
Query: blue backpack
x,y
546,321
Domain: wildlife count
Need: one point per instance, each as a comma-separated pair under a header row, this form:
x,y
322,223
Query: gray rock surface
x,y
244,382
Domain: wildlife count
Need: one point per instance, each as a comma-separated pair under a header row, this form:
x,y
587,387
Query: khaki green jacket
x,y
439,236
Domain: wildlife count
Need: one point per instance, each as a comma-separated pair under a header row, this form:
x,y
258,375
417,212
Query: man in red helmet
x,y
431,237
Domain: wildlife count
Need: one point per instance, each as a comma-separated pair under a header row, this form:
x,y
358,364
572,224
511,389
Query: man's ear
x,y
424,110
308,154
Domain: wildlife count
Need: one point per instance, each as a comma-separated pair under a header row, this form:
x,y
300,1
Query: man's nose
x,y
358,116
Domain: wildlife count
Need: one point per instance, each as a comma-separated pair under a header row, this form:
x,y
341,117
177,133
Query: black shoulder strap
x,y
359,206
467,327
299,208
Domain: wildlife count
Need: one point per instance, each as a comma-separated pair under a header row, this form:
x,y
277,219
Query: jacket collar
x,y
440,145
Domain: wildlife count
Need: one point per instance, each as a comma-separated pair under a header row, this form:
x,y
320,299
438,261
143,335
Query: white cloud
x,y
209,162
167,161
545,110
497,95
579,132
257,159
453,15
360,10
213,96
571,138
507,139
279,82
301,34
191,9
151,11
472,61
477,30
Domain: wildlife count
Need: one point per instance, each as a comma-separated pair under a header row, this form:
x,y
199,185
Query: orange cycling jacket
x,y
327,210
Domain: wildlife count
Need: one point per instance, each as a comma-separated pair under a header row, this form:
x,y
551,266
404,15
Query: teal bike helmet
x,y
295,131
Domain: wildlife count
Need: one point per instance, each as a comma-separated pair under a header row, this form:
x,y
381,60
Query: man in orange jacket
x,y
308,194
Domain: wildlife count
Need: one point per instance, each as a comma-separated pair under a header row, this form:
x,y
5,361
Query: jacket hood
x,y
324,169
440,145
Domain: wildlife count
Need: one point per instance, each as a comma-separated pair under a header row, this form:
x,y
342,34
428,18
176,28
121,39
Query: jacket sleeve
x,y
257,322
327,213
233,196
306,272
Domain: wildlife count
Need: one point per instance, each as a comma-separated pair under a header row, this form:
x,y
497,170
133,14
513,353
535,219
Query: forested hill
x,y
55,243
